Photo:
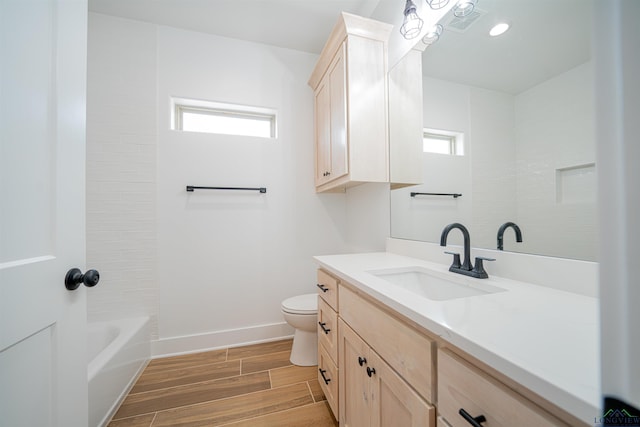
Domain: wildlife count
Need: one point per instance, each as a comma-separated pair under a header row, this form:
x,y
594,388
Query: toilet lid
x,y
301,304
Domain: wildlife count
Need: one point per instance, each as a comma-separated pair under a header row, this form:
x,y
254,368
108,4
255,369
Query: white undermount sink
x,y
435,285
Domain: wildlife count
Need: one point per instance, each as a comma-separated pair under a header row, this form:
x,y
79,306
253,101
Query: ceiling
x,y
547,37
295,24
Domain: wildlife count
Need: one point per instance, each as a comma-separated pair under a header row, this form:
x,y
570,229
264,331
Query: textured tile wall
x,y
121,168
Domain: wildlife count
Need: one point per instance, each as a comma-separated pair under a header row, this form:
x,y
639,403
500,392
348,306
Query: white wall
x,y
210,268
121,168
483,175
555,130
493,167
518,150
227,260
368,221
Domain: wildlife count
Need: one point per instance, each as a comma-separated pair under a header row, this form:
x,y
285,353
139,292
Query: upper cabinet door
x,y
353,68
339,149
323,132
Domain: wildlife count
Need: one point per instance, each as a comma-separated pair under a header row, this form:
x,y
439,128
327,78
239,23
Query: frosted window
x,y
442,142
227,119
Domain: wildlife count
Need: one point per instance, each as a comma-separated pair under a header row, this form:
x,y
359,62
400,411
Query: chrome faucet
x,y
503,228
466,268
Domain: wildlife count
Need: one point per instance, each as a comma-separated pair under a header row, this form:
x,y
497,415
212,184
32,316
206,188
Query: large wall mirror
x,y
512,117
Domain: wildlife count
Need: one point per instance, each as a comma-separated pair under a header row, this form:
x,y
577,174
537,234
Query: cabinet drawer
x,y
464,386
406,350
328,379
328,288
328,329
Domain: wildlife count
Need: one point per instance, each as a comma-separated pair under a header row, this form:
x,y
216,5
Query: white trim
x,y
215,340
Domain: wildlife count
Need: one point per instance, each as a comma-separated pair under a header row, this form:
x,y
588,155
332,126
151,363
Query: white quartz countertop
x,y
543,338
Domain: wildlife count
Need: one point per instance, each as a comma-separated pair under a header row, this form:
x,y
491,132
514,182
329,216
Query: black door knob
x,y
74,278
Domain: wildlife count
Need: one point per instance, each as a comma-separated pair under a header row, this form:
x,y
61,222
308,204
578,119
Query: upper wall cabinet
x,y
405,121
350,88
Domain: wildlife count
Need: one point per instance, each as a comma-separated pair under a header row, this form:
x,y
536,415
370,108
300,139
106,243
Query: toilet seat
x,y
301,304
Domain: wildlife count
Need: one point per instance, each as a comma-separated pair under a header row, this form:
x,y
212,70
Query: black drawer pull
x,y
324,289
326,331
474,421
322,371
370,371
361,360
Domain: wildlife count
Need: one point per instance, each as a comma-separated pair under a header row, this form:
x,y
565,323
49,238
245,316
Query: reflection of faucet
x,y
502,229
466,268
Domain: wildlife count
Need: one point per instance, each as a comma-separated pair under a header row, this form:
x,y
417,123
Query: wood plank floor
x,y
254,386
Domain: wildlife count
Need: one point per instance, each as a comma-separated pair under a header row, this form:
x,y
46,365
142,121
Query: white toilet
x,y
301,312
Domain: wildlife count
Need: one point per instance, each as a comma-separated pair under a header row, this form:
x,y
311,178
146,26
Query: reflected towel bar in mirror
x,y
193,187
454,195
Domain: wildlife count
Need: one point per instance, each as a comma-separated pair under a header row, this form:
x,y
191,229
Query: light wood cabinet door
x,y
371,393
331,122
351,78
338,86
409,352
394,403
355,392
323,131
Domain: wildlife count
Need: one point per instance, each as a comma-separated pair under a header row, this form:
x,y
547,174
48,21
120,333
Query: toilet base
x,y
305,348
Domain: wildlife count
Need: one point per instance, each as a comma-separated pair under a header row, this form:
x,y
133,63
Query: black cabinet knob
x,y
370,371
361,360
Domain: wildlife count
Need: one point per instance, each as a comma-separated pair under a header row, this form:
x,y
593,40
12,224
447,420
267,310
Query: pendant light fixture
x,y
437,4
433,35
412,24
464,8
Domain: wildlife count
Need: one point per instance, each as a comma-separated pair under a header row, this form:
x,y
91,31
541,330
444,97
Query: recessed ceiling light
x,y
498,29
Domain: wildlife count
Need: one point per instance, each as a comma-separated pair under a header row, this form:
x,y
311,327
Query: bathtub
x,y
118,351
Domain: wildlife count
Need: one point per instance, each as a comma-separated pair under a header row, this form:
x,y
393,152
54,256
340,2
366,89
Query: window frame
x,y
179,106
455,139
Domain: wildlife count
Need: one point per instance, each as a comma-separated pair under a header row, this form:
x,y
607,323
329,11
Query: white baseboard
x,y
220,339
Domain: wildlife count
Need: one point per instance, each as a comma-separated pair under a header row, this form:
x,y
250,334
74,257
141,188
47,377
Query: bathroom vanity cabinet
x,y
328,338
350,98
380,385
391,371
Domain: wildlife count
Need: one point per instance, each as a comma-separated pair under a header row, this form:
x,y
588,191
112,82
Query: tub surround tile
x,y
180,391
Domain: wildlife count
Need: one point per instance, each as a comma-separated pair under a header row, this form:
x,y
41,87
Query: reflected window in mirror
x,y
443,142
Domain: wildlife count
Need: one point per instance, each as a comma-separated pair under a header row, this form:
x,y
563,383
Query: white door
x,y
43,366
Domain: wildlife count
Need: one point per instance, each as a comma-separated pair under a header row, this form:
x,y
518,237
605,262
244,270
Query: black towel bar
x,y
193,187
455,195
